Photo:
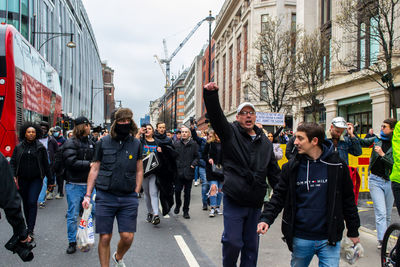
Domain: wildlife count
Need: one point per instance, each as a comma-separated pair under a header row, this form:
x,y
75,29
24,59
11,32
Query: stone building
x,y
108,93
237,27
348,91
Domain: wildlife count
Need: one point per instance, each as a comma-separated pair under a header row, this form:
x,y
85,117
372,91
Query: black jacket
x,y
340,207
77,156
291,149
201,142
41,155
211,152
10,200
187,156
247,162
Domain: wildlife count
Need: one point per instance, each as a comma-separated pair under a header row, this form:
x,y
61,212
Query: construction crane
x,y
167,80
167,60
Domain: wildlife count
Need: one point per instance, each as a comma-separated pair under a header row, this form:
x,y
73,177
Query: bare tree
x,y
273,80
312,52
374,26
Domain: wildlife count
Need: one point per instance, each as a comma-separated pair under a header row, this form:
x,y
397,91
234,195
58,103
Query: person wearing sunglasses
x,y
380,167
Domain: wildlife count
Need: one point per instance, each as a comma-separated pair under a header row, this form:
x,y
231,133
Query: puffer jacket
x,y
77,155
395,176
187,156
247,162
387,159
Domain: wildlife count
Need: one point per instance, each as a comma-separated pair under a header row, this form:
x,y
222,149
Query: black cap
x,y
97,129
81,120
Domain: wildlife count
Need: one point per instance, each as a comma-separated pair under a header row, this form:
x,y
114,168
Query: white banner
x,y
266,118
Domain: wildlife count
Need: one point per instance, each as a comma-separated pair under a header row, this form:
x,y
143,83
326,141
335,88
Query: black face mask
x,y
123,129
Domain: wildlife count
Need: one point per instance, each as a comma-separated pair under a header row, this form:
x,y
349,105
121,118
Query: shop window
x,y
362,121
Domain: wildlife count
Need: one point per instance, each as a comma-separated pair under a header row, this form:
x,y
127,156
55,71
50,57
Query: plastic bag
x,y
85,234
354,252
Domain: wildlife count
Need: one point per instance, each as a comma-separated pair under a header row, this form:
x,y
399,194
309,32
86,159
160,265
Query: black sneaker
x,y
176,210
205,207
149,217
186,215
71,248
156,220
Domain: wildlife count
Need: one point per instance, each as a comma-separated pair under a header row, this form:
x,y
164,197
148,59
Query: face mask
x,y
123,129
56,134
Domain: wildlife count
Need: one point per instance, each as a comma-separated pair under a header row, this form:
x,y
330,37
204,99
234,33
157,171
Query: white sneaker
x,y
49,196
196,183
212,213
119,263
219,212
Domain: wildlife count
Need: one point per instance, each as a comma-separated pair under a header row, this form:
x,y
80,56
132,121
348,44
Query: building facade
x,y
108,93
348,90
79,68
237,27
193,88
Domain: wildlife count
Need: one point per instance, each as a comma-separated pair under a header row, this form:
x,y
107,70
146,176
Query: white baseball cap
x,y
245,104
339,122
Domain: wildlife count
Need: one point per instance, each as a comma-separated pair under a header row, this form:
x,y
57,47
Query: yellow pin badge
x,y
130,156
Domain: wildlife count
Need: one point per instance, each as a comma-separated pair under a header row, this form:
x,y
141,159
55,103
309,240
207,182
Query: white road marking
x,y
186,251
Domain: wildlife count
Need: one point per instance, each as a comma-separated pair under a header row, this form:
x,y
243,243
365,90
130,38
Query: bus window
x,y
18,55
27,59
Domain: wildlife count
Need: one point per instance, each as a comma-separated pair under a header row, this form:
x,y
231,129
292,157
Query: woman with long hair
x,y
213,156
30,164
149,185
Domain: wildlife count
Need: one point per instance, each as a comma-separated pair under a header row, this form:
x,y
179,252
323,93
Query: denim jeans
x,y
196,173
42,195
240,234
382,196
216,199
205,187
75,194
304,250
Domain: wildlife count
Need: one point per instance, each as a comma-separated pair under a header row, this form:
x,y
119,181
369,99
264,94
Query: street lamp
x,y
70,44
120,103
210,19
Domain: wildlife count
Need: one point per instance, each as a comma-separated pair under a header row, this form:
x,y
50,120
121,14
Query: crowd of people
x,y
236,165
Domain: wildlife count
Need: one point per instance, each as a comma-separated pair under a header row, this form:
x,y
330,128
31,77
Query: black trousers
x,y
396,194
29,191
186,185
60,183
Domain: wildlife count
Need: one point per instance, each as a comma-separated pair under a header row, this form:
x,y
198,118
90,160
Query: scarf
x,y
385,137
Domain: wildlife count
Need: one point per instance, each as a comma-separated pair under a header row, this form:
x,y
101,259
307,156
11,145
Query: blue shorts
x,y
109,206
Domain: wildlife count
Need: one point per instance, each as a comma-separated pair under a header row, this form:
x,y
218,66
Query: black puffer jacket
x,y
247,162
340,207
41,154
187,156
78,154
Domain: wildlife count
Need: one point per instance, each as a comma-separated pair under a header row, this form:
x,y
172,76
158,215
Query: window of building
x,y
326,32
230,76
181,110
293,28
25,18
181,96
223,80
264,21
320,115
238,71
13,13
245,46
368,42
263,91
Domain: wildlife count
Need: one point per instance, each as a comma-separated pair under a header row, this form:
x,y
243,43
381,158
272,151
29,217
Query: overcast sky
x,y
129,33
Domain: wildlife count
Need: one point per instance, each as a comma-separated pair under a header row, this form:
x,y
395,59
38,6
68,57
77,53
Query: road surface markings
x,y
186,251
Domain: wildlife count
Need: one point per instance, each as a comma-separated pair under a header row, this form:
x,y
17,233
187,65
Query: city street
x,y
157,245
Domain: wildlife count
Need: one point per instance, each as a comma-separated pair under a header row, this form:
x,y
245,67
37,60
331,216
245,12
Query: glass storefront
x,y
357,110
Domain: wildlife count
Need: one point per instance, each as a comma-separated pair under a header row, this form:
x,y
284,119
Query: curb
x,y
367,230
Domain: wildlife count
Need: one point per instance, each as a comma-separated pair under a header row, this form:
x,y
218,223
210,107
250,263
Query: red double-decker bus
x,y
29,88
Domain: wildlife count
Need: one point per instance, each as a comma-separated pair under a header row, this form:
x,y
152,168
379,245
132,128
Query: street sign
x,y
266,118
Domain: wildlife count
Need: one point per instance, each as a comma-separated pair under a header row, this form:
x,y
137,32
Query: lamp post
x,y
120,103
210,19
70,44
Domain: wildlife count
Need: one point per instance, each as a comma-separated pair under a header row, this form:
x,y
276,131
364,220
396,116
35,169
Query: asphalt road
x,y
158,245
